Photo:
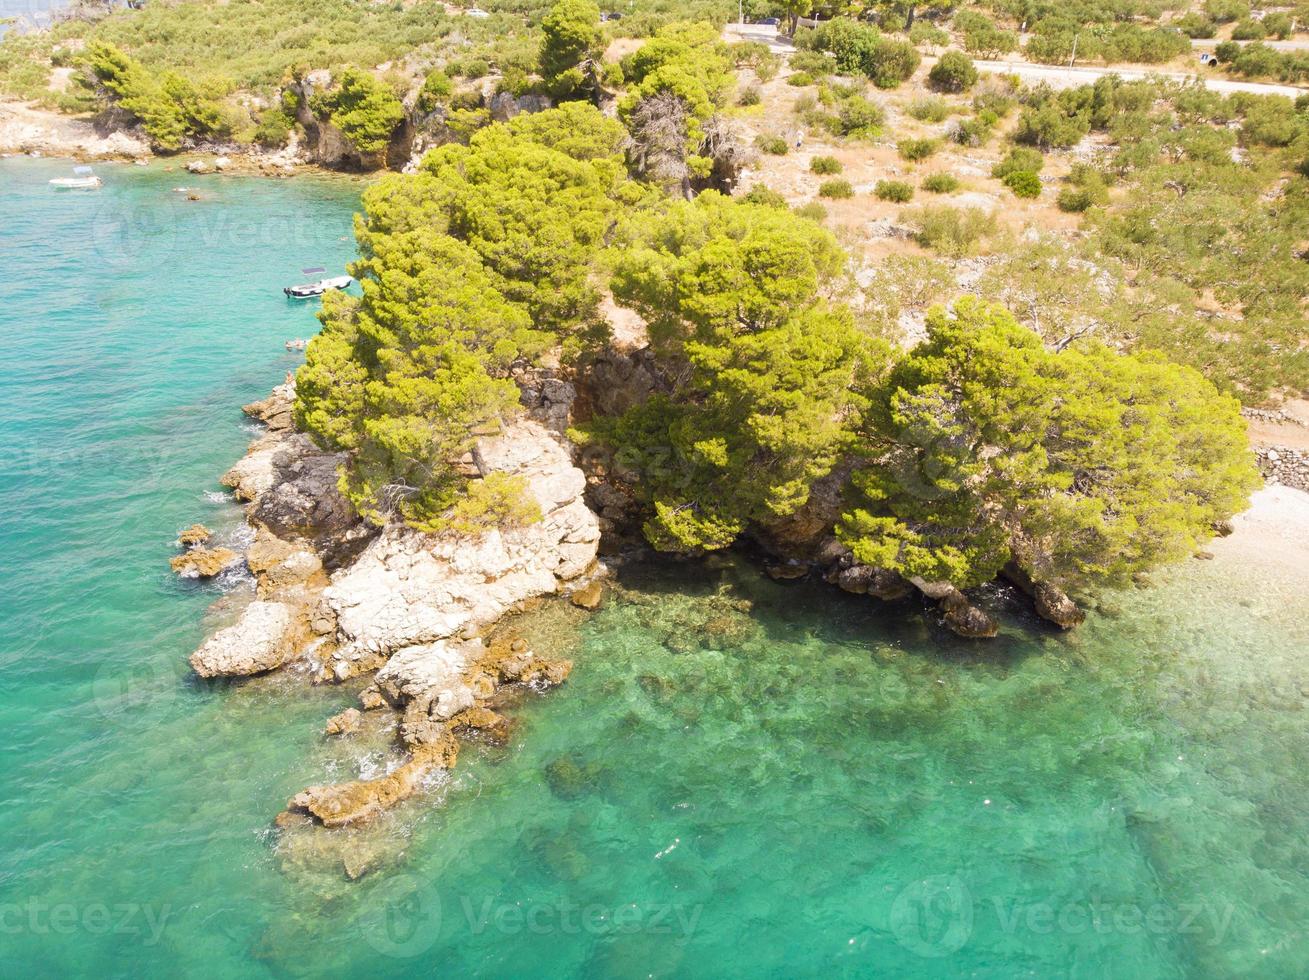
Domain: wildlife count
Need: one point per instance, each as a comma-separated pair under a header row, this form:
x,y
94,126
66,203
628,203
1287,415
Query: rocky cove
x,y
427,620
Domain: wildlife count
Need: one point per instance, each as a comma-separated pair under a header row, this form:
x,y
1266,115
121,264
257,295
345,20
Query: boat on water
x,y
309,289
83,179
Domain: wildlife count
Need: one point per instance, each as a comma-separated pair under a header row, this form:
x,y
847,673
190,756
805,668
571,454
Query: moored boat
x,y
83,179
310,289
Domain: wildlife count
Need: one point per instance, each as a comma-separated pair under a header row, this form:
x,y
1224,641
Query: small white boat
x,y
84,179
309,289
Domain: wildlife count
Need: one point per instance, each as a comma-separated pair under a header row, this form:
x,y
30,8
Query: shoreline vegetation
x,y
588,326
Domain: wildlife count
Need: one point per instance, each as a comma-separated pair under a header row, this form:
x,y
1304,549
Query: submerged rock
x,y
342,804
261,640
345,723
589,596
203,562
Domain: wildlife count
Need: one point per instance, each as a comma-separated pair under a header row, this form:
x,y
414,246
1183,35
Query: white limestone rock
x,y
261,640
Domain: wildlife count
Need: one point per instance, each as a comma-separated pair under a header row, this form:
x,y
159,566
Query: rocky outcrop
x,y
261,640
342,804
277,411
345,723
194,535
440,690
408,588
857,579
965,619
203,562
959,615
1051,602
29,129
346,598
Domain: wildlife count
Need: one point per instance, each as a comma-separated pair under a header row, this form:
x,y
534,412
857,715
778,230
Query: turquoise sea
x,y
741,779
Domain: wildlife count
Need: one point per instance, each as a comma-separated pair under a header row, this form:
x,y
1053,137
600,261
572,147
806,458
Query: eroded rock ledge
x,y
339,598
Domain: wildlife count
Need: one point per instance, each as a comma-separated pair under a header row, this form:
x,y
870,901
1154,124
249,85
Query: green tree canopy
x,y
571,46
481,259
1083,466
734,294
363,108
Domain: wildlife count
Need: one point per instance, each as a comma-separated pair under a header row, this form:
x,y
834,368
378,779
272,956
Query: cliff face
x,y
341,598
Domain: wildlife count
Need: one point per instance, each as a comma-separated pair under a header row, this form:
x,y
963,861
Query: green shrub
x,y
813,211
364,109
858,116
771,144
940,183
894,190
1196,25
1248,30
813,63
997,103
836,189
951,231
954,72
825,165
1049,126
759,194
925,32
498,500
1074,200
436,91
1278,25
929,109
971,132
917,149
274,128
1024,183
800,79
750,96
469,69
1225,11
1019,158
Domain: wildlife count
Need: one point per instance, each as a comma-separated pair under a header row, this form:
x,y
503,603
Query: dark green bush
x,y
825,165
954,72
1020,158
894,190
1024,183
814,211
917,149
771,144
929,109
940,183
836,189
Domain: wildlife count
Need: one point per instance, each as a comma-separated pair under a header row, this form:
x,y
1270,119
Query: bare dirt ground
x,y
1284,434
27,129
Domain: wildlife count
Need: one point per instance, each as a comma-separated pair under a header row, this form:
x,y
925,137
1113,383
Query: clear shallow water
x,y
742,778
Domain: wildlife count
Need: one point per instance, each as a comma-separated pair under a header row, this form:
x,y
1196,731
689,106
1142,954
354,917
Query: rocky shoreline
x,y
338,598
